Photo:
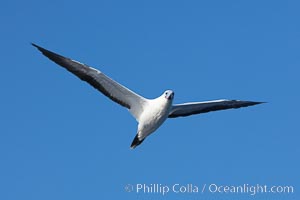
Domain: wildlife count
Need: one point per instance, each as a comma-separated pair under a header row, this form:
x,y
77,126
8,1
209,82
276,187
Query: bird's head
x,y
168,94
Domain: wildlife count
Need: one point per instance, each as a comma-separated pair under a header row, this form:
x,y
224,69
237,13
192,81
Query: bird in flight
x,y
149,113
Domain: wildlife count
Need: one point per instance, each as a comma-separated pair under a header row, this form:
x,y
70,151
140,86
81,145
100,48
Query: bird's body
x,y
155,113
149,113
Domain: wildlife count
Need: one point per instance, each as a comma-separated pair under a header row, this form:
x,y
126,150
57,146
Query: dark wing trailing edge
x,y
186,109
100,81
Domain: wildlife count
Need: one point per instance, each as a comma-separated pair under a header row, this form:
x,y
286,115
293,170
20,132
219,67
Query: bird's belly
x,y
151,121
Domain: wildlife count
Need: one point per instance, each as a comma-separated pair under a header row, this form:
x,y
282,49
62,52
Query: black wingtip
x,y
41,49
258,102
51,55
250,103
35,45
38,47
136,141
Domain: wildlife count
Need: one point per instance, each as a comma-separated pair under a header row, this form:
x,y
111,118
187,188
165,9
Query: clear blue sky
x,y
62,139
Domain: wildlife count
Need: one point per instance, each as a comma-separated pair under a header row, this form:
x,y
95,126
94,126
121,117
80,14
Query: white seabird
x,y
149,113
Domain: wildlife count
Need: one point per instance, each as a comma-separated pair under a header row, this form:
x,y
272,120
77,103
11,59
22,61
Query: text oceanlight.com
x,y
164,189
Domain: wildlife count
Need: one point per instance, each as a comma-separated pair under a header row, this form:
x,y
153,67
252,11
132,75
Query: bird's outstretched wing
x,y
110,88
186,109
